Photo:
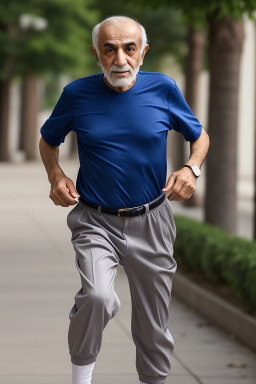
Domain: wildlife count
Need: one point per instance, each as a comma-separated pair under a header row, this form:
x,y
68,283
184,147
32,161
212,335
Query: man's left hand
x,y
181,185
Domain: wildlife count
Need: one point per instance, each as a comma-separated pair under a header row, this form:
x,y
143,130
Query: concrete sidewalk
x,y
38,283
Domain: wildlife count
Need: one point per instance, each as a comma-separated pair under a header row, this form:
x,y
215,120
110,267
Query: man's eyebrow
x,y
126,44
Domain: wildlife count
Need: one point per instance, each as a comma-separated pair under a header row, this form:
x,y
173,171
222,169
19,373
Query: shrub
x,y
221,257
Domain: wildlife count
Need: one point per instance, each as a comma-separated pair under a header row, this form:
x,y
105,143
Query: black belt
x,y
127,212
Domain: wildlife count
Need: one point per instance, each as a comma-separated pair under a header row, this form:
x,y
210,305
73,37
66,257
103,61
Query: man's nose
x,y
120,58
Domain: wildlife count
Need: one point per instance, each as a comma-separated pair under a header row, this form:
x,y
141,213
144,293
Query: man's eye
x,y
130,49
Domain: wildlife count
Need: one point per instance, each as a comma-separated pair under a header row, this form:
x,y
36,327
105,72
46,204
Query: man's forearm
x,y
182,183
199,149
63,191
50,157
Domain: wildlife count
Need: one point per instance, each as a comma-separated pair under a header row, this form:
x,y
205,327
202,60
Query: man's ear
x,y
144,53
93,50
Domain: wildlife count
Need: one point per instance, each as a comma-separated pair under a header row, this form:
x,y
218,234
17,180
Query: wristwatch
x,y
195,169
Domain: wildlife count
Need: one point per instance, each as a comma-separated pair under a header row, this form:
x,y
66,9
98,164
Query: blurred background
x,y
209,49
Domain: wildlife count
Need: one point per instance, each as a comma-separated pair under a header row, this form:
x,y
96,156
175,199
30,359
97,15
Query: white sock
x,y
82,374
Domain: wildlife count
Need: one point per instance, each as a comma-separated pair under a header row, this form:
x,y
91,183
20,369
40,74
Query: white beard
x,y
122,81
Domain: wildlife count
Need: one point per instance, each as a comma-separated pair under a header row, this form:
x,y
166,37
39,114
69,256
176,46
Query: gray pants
x,y
143,245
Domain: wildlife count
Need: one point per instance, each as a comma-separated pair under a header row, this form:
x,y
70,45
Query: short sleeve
x,y
182,118
59,124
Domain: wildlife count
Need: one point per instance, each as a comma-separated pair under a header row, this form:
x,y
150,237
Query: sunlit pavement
x,y
38,284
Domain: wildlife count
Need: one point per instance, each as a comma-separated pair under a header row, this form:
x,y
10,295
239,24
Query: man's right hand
x,y
63,191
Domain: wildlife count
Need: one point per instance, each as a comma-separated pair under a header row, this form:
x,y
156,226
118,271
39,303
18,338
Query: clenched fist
x,y
63,191
181,185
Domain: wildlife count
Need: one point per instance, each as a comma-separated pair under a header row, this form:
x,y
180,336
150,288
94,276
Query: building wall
x,y
246,126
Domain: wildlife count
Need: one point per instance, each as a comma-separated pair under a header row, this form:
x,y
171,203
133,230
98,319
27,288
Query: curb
x,y
214,308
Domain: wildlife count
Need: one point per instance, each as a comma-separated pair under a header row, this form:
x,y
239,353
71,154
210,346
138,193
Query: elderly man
x,y
122,214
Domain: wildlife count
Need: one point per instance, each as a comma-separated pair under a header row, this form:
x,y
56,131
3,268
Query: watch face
x,y
196,170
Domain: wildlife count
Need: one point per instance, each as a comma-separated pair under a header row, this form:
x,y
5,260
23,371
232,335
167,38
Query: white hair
x,y
116,19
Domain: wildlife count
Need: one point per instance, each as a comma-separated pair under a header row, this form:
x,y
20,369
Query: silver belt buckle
x,y
121,210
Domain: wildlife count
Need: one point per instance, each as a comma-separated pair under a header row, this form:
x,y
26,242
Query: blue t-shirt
x,y
121,136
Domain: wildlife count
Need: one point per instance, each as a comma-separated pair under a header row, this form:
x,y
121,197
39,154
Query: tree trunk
x,y
5,90
5,93
194,66
225,47
8,64
254,228
29,116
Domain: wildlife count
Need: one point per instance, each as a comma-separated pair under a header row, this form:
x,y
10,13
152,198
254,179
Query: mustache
x,y
116,68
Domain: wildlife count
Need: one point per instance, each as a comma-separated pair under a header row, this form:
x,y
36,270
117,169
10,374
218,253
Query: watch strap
x,y
189,166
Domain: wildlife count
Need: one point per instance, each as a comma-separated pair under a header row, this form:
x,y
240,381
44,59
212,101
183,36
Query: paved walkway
x,y
38,283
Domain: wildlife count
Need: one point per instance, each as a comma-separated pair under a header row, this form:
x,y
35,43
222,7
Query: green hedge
x,y
220,257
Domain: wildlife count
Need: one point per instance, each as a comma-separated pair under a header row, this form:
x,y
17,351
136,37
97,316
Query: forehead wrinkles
x,y
120,33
